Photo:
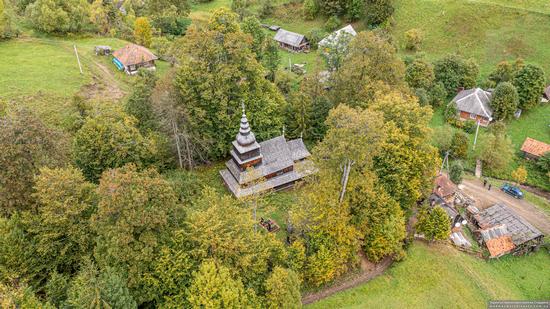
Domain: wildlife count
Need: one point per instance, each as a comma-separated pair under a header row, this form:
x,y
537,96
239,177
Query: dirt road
x,y
485,198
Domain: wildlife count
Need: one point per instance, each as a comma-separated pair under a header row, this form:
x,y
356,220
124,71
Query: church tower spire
x,y
246,151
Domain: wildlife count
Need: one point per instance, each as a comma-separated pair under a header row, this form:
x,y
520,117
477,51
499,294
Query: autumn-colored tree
x,y
434,223
60,228
215,287
413,39
21,296
99,17
495,151
143,33
59,16
419,74
218,73
283,289
136,213
251,25
454,72
459,145
378,11
26,144
519,175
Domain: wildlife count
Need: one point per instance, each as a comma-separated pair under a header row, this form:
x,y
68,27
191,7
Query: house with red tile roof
x,y
533,149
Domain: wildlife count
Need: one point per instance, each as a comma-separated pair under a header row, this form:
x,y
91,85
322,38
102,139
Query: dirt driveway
x,y
485,198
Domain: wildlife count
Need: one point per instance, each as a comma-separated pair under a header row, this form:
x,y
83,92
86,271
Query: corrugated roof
x,y
336,34
133,54
443,186
534,147
474,101
289,38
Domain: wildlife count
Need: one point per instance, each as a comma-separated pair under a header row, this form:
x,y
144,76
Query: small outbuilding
x,y
533,149
334,37
132,57
103,50
291,41
474,104
503,231
445,189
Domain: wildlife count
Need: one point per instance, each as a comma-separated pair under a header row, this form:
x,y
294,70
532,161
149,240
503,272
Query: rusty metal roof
x,y
534,147
133,54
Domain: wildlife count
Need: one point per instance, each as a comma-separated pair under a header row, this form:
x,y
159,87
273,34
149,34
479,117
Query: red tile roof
x,y
443,186
534,147
132,54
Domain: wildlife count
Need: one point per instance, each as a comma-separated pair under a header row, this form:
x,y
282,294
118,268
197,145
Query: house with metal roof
x,y
533,149
503,231
474,104
255,167
332,39
291,41
132,57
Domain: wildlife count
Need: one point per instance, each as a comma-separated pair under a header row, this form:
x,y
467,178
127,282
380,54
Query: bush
x,y
378,11
544,163
332,23
438,95
423,96
413,39
451,113
315,36
310,9
459,145
469,126
456,172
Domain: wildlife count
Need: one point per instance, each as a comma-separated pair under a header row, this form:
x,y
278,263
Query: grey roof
x,y
494,232
289,38
298,149
245,140
336,34
474,101
500,219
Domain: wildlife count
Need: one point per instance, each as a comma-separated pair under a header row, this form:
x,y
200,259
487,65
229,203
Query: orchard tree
x,y
434,223
529,82
419,74
504,102
136,213
454,72
143,33
218,73
26,145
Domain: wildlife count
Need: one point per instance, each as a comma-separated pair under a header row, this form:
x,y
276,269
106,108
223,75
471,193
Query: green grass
x,y
487,30
438,276
534,123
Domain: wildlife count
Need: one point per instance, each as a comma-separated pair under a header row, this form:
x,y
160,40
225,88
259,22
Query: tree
x,y
92,288
543,162
419,74
455,72
519,175
504,101
495,151
456,172
529,82
106,142
59,16
26,145
182,6
267,8
136,213
378,11
271,58
459,145
217,75
251,25
214,287
504,72
283,289
335,50
442,138
240,7
20,296
99,17
434,223
60,228
332,23
143,34
438,94
139,103
333,7
310,9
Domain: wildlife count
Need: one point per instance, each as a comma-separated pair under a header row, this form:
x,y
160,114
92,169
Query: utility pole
x,y
445,160
475,138
78,59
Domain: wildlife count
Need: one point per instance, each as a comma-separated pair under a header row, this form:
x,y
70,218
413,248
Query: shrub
x,y
310,9
438,95
450,114
469,126
423,96
378,11
267,8
315,36
519,175
544,163
332,23
456,172
413,39
434,223
459,145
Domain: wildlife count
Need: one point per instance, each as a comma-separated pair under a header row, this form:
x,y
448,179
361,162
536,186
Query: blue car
x,y
513,191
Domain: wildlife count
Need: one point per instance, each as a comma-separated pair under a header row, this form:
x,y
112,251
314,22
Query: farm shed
x,y
533,149
444,188
333,38
474,104
503,231
103,50
255,167
291,41
132,57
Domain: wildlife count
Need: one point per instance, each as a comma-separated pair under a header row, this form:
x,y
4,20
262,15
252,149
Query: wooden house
x,y
255,167
291,41
474,104
132,57
533,149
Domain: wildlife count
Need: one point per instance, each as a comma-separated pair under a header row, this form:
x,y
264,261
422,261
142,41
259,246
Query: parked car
x,y
512,190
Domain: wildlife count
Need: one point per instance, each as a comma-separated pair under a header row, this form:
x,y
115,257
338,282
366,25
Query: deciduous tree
x,y
459,145
378,11
434,223
283,289
454,72
419,74
504,101
456,172
529,82
143,33
519,175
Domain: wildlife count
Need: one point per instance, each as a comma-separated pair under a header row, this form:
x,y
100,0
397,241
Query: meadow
x,y
439,276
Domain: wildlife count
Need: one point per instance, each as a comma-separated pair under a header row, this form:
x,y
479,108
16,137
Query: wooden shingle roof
x,y
534,147
133,54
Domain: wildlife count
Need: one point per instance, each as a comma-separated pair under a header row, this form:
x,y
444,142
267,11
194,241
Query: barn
x,y
291,41
132,57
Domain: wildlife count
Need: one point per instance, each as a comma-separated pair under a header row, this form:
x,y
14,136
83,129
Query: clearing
x,y
439,276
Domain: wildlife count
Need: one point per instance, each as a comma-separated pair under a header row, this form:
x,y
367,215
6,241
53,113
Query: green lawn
x,y
487,30
534,124
439,276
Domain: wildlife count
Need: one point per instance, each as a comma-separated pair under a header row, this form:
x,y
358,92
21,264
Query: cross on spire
x,y
242,105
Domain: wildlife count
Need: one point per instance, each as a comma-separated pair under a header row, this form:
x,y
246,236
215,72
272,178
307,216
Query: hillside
x,y
438,276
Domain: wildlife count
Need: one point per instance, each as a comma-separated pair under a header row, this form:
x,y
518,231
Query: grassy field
x,y
439,276
487,30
